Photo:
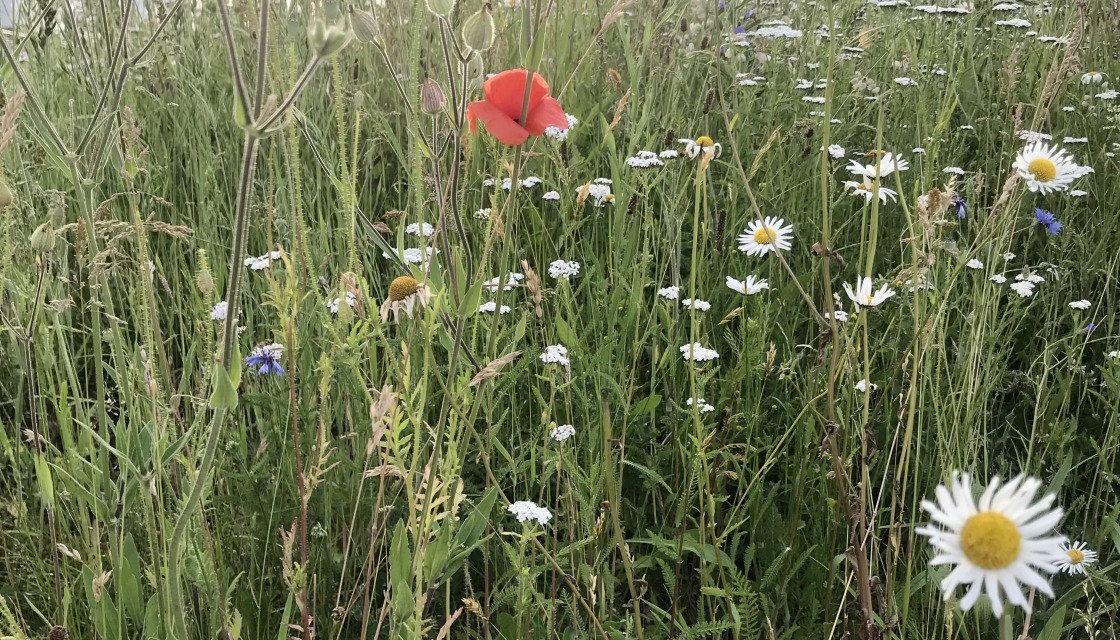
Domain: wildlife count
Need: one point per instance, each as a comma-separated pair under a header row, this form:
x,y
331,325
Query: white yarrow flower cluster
x,y
561,134
562,432
332,305
701,404
219,311
669,293
1080,305
696,305
698,352
555,354
416,228
491,307
644,160
526,510
563,269
262,262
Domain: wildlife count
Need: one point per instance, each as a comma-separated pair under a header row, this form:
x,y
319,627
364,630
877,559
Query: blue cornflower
x,y
1089,328
960,204
1048,220
266,359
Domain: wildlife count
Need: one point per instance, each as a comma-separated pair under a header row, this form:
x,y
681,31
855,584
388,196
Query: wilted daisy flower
x,y
1092,77
1080,305
836,151
995,544
1024,288
561,134
562,432
405,293
861,386
644,160
219,311
762,237
702,145
266,359
563,269
490,307
863,295
749,286
697,305
1074,557
702,404
974,264
868,189
555,354
885,166
526,511
1048,220
332,306
1046,168
551,195
669,293
483,214
698,352
415,228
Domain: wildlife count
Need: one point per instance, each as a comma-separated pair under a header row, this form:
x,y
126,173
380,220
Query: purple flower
x,y
266,359
1090,327
739,30
960,204
1048,220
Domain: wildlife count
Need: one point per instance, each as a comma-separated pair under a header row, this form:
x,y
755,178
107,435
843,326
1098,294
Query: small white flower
x,y
562,432
669,154
1080,305
526,511
1017,23
861,386
906,82
863,296
483,214
555,354
836,151
563,269
1111,94
669,293
1075,557
415,229
704,406
813,99
748,286
974,264
953,170
868,189
219,311
490,307
1073,140
698,305
998,278
551,195
530,182
1009,256
644,160
698,352
918,150
967,127
332,305
841,315
762,237
1078,193
1024,288
512,281
1115,355
561,134
882,168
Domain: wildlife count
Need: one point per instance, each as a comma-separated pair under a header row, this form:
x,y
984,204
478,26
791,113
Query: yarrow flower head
x,y
219,311
561,133
266,359
405,294
696,305
333,305
562,432
1080,305
555,354
669,293
262,262
417,228
526,510
995,544
563,269
698,352
864,296
749,286
1077,556
763,236
491,307
701,405
1025,288
1049,221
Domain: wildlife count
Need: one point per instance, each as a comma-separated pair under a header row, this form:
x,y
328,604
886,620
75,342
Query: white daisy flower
x,y
698,352
868,189
1046,168
669,293
562,432
1075,557
769,234
702,145
1024,288
526,511
1092,77
702,404
555,354
749,286
698,305
974,264
996,544
1080,305
885,166
863,295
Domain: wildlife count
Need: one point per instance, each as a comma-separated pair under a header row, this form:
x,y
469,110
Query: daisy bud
x,y
479,31
42,239
365,26
441,8
432,100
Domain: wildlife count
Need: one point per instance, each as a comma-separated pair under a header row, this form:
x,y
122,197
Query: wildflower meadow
x,y
535,319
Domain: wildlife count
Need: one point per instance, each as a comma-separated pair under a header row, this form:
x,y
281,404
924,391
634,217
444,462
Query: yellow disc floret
x,y
765,235
990,540
1043,169
704,141
402,287
1075,556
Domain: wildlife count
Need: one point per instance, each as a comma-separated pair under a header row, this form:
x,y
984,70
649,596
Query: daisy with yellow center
x,y
869,190
405,293
1046,168
996,544
766,235
865,296
1092,77
702,145
1074,557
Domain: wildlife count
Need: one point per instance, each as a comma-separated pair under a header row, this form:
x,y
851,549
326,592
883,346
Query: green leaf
x,y
224,395
153,627
469,304
129,574
1053,628
400,574
45,480
645,405
470,534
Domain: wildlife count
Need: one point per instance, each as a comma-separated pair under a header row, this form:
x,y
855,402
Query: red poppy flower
x,y
501,110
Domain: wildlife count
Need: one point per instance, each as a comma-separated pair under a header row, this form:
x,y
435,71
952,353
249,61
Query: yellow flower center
x,y
609,197
402,287
765,235
1075,556
704,141
870,299
1043,169
990,540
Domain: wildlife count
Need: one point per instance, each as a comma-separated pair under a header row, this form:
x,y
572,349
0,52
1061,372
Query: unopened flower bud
x,y
42,239
441,8
479,31
6,196
365,26
326,40
204,280
432,100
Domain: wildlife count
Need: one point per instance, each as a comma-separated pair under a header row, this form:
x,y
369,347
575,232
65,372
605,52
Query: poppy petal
x,y
548,113
497,123
506,91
